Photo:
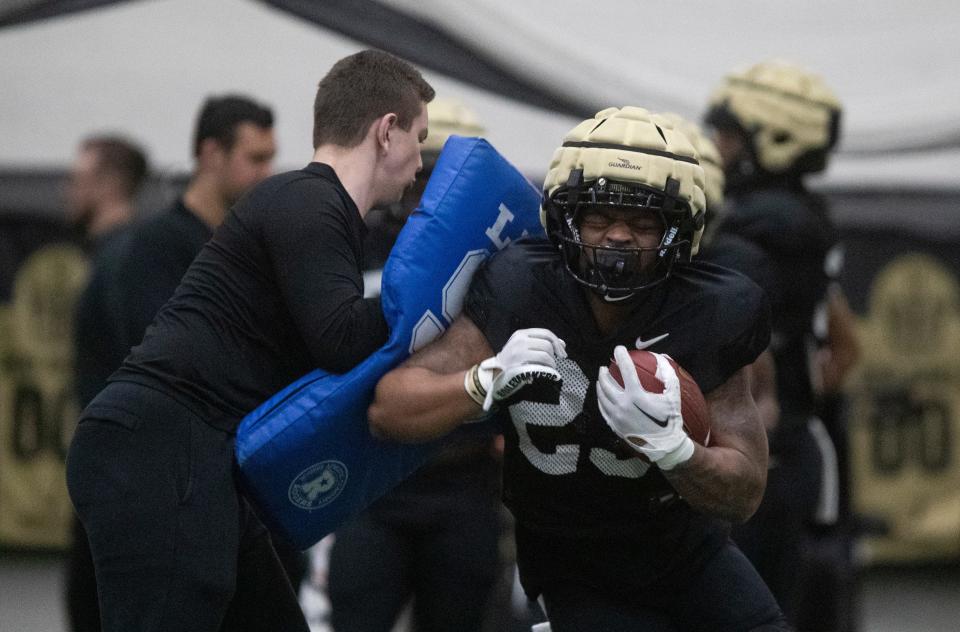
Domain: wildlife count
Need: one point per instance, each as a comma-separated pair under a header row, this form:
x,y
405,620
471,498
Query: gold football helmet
x,y
448,117
789,116
714,179
626,158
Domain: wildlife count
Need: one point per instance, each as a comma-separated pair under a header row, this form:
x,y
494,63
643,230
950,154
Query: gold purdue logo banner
x,y
38,409
905,397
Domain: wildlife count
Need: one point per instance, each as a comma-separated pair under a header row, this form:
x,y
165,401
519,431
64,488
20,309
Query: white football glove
x,y
529,356
650,422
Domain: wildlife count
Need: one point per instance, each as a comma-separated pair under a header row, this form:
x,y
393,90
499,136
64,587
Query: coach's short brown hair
x,y
361,88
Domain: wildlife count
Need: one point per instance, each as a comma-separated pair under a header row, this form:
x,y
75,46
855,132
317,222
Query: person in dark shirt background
x,y
274,294
233,149
104,180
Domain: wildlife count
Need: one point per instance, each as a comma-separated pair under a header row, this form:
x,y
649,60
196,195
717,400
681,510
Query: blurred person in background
x,y
233,150
713,177
274,293
435,538
775,124
103,182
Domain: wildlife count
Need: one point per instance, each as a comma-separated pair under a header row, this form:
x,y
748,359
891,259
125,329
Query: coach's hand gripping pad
x,y
306,455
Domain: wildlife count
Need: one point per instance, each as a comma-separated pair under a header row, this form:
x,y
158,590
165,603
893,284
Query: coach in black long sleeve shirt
x,y
274,294
233,150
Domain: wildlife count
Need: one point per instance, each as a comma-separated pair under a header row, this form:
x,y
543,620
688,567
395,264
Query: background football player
x,y
620,521
776,123
763,370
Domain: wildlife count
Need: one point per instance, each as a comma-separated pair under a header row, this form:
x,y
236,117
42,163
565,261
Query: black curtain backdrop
x,y
376,25
19,12
383,27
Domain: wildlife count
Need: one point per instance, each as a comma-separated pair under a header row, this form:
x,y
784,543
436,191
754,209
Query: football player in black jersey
x,y
621,518
775,123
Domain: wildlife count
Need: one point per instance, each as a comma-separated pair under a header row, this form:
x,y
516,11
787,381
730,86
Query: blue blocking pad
x,y
306,456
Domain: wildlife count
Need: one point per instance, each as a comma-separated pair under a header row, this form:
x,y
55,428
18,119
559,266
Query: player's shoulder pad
x,y
504,282
522,257
732,298
518,264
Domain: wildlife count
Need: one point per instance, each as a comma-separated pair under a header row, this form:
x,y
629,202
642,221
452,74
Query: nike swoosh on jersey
x,y
643,344
660,422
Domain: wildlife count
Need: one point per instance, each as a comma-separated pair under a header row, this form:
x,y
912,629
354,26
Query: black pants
x,y
726,596
436,543
83,607
83,610
175,546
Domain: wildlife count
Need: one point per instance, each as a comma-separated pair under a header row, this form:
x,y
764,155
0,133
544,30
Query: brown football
x,y
693,407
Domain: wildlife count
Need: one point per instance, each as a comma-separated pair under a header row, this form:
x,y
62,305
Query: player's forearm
x,y
721,481
414,404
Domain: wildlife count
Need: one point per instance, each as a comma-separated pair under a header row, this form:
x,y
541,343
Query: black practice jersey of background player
x,y
779,236
586,506
274,294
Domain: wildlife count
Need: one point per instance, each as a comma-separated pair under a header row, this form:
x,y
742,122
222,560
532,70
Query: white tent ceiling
x,y
144,67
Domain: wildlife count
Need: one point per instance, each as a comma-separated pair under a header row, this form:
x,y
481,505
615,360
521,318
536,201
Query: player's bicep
x,y
459,348
735,420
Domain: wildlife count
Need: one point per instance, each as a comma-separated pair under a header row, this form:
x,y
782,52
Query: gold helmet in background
x,y
714,179
626,158
788,115
446,118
